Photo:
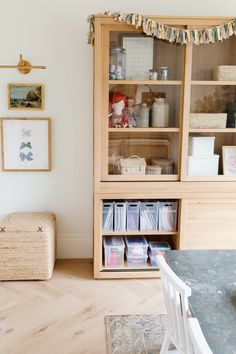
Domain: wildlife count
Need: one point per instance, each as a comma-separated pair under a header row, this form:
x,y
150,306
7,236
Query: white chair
x,y
176,294
198,340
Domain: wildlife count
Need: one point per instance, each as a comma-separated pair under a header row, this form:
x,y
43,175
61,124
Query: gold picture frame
x,y
25,96
229,160
26,144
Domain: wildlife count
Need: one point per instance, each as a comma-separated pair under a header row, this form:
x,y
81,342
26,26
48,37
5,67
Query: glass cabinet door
x,y
143,109
212,118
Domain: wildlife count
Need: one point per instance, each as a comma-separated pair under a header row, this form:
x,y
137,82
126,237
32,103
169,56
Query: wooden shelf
x,y
128,273
225,130
146,82
125,269
144,130
213,83
218,178
136,233
142,178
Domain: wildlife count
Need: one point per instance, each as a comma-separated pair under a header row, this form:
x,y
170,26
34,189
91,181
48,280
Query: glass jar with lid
x,y
143,120
117,65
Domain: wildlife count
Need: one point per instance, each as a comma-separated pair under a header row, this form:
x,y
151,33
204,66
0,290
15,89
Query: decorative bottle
x,y
143,121
160,113
117,65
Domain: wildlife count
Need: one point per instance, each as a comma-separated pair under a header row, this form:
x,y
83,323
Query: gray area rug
x,y
140,334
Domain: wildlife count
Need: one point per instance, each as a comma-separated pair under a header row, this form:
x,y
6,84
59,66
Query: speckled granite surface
x,y
212,277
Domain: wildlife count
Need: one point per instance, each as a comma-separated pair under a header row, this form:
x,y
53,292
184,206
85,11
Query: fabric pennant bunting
x,y
171,34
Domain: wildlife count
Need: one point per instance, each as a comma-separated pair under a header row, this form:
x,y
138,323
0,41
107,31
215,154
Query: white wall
x,y
53,33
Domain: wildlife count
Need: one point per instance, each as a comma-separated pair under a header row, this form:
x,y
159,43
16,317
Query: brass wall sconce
x,y
23,66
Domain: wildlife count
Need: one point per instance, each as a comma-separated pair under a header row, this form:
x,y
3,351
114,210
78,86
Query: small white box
x,y
203,165
201,145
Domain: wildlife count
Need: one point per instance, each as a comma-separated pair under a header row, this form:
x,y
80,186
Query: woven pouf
x,y
27,246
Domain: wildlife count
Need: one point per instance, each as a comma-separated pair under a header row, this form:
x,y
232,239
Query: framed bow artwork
x,y
26,144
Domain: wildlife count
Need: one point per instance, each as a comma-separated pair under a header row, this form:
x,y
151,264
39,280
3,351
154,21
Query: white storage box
x,y
201,145
203,165
136,246
208,120
114,251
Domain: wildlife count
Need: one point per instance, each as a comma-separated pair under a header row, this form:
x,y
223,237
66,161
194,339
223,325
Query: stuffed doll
x,y
119,116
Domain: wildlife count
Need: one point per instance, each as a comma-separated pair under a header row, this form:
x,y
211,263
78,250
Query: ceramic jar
x,y
160,113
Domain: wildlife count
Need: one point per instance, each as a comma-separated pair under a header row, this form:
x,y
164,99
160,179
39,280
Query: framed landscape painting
x,y
26,96
26,144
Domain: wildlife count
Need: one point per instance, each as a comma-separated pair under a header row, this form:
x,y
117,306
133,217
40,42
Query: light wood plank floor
x,y
65,315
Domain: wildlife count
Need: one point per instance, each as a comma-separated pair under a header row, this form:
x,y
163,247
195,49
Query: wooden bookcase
x,y
206,204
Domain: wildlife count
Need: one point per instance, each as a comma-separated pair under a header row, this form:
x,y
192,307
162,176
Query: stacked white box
x,y
201,159
201,145
203,165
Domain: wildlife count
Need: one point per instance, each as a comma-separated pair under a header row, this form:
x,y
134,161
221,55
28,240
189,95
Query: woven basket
x,y
225,73
133,165
27,246
208,120
167,166
153,170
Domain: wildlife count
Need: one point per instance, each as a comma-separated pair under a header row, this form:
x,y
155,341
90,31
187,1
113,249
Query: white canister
x,y
160,113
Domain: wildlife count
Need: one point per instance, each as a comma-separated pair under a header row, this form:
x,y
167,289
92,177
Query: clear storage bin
x,y
167,216
158,248
148,216
136,261
153,259
133,216
107,216
120,216
136,246
114,251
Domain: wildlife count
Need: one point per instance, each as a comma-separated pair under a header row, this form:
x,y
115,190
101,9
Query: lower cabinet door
x,y
208,224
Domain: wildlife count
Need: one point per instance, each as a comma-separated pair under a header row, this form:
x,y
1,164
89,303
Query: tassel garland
x,y
155,29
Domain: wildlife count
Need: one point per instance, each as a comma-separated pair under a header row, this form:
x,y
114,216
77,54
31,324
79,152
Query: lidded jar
x,y
160,113
117,66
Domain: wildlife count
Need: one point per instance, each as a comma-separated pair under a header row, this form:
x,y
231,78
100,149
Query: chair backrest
x,y
176,294
198,340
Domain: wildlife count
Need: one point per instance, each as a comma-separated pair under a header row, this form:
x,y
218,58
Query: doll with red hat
x,y
119,116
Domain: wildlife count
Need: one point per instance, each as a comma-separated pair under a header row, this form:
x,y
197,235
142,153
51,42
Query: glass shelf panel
x,y
144,53
207,57
143,94
156,149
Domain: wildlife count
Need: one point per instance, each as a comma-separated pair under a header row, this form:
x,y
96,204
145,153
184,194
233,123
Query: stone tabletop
x,y
212,278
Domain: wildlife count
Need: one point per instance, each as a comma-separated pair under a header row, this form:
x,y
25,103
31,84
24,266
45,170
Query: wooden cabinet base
x,y
208,224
